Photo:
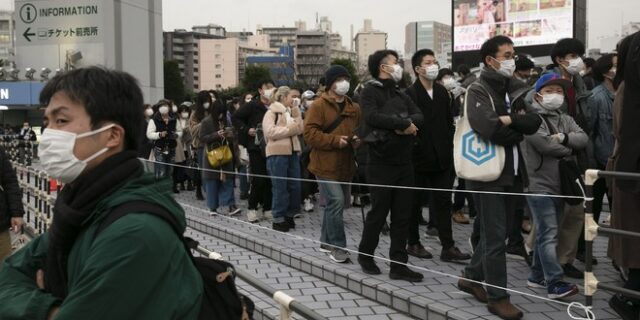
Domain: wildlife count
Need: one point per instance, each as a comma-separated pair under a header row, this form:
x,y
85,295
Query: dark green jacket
x,y
137,268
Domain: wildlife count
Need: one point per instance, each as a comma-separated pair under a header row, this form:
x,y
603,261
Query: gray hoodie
x,y
542,153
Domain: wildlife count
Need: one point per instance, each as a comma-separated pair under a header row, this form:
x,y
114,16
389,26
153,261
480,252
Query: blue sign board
x,y
23,93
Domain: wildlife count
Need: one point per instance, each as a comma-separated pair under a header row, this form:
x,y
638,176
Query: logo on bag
x,y
476,149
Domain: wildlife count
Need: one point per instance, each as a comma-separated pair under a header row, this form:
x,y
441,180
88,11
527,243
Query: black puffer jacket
x,y
10,194
386,109
247,117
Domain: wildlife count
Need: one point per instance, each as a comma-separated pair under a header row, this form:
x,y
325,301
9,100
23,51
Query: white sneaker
x,y
308,205
253,216
267,215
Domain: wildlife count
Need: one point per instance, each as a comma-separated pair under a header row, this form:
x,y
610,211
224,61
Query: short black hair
x,y
375,60
416,60
589,62
444,72
524,63
566,46
602,66
492,46
107,96
464,70
265,82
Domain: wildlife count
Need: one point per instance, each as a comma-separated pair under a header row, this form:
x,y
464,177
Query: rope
x,y
587,310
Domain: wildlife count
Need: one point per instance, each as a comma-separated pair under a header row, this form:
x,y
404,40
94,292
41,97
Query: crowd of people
x,y
396,146
545,118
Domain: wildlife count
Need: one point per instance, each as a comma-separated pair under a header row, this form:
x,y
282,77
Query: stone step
x,y
323,297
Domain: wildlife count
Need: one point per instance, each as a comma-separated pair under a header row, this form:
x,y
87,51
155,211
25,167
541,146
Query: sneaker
x,y
453,254
297,215
253,216
432,232
368,265
542,284
233,210
338,255
213,212
561,289
624,307
325,248
223,211
290,222
267,215
282,227
401,272
308,205
504,309
459,217
572,272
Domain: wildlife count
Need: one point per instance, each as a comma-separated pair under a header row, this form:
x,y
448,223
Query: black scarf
x,y
74,204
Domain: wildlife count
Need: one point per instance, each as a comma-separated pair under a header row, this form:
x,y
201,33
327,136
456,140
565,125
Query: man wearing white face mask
x,y
558,137
391,122
94,118
164,130
328,130
432,157
489,116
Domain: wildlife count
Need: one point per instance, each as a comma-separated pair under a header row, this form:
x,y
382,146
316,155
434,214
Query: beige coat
x,y
282,137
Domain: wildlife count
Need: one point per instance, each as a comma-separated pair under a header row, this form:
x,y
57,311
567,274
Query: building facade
x,y
184,47
281,66
212,29
313,54
428,35
368,41
279,36
6,37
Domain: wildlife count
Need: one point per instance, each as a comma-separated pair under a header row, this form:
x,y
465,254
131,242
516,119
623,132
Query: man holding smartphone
x,y
11,210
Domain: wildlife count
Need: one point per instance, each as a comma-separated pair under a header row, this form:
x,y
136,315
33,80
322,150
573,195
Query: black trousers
x,y
260,191
459,197
514,223
383,201
439,206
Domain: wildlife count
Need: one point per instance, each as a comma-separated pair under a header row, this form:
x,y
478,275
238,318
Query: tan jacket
x,y
327,160
282,138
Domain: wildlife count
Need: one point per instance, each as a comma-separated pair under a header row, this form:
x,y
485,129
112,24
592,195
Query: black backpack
x,y
221,299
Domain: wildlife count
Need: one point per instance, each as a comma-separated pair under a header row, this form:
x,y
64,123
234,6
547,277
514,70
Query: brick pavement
x,y
435,298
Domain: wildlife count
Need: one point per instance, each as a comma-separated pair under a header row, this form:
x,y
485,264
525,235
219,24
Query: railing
x,y
40,191
17,149
286,302
591,231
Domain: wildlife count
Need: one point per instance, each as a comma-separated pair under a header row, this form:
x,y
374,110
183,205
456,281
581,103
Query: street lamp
x,y
29,73
13,74
44,74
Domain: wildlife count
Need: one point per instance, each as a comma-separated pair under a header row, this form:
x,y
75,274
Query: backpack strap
x,y
334,125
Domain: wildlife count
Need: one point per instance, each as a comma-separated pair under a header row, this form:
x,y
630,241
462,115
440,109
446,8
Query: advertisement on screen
x,y
526,22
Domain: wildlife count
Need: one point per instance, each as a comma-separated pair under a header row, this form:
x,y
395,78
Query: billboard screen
x,y
526,22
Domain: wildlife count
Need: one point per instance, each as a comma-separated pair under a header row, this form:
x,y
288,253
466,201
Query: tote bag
x,y
475,158
219,156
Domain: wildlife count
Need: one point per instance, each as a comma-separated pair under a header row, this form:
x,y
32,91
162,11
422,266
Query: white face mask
x,y
507,67
148,112
185,115
575,66
296,102
174,109
56,153
164,110
247,100
431,72
396,74
267,94
552,101
342,87
449,83
206,105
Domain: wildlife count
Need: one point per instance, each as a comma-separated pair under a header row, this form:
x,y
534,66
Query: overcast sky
x,y
605,17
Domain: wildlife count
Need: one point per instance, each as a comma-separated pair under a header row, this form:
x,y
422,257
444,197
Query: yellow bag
x,y
219,156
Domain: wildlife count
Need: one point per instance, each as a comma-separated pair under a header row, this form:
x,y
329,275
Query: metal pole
x,y
618,232
589,234
626,292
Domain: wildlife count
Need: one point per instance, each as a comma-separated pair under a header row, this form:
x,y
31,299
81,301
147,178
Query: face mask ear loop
x,y
90,133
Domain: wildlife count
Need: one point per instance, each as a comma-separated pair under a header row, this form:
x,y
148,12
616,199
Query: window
x,y
217,56
218,47
218,66
218,76
218,86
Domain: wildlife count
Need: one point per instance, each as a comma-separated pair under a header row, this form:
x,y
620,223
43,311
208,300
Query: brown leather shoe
x,y
459,217
418,251
504,309
453,254
474,289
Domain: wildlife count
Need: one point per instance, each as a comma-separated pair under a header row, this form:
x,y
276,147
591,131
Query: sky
x,y
605,17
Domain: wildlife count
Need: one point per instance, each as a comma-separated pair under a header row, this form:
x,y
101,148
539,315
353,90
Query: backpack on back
x,y
221,299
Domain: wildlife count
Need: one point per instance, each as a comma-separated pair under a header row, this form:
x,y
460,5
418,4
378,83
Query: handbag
x,y
475,158
571,182
219,156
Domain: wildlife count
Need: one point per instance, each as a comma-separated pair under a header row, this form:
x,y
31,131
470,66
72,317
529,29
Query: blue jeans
x,y
332,231
166,156
219,193
286,194
546,213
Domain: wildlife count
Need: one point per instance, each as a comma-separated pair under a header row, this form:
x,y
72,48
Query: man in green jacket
x,y
137,267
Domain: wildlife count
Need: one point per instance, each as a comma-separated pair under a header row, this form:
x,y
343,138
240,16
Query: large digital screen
x,y
526,22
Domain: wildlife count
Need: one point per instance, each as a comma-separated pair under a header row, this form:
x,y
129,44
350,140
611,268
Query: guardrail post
x,y
590,232
284,301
